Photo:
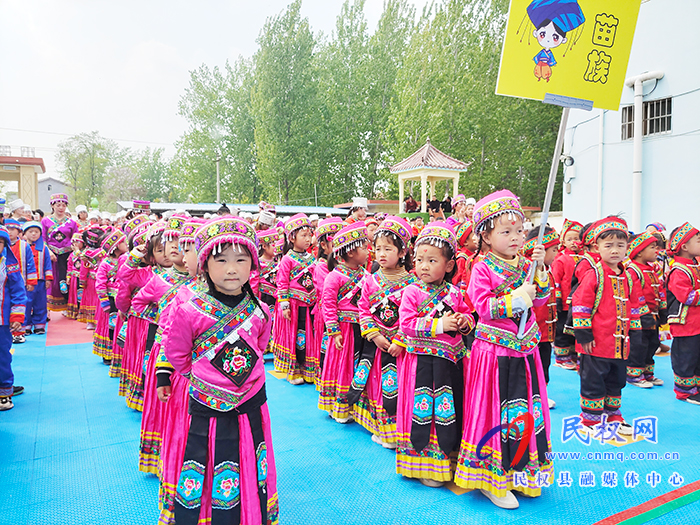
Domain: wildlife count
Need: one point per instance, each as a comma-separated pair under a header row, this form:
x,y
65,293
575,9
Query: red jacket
x,y
654,293
683,287
607,308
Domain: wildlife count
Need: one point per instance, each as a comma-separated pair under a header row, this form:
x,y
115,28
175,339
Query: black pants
x,y
602,381
563,341
546,358
685,360
640,362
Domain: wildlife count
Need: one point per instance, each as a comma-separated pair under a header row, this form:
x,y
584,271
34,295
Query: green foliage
x,y
315,118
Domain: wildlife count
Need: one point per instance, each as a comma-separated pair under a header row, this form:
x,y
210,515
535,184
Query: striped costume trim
x,y
473,473
430,463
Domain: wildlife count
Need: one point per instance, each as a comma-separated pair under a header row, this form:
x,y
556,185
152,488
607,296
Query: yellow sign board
x,y
575,49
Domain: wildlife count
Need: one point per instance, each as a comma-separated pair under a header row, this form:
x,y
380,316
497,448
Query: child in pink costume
x,y
228,473
106,286
341,293
433,319
157,294
327,228
374,389
293,346
505,383
172,387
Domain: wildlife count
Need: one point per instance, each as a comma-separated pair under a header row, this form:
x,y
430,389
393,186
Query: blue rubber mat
x,y
69,454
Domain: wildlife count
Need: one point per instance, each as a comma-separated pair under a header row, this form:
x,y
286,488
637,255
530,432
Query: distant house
x,y
664,185
47,187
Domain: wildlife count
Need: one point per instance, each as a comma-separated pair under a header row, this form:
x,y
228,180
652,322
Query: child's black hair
x,y
88,239
534,233
246,286
447,253
321,252
151,244
660,240
615,234
405,261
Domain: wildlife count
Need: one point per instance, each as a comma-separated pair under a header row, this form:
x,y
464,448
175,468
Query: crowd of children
x,y
435,338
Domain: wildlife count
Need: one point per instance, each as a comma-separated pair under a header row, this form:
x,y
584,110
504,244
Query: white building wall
x,y
667,40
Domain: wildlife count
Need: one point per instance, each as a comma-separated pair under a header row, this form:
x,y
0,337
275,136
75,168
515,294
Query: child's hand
x,y
287,314
382,342
139,252
462,321
395,350
587,348
529,289
450,323
164,393
538,255
338,342
30,287
15,327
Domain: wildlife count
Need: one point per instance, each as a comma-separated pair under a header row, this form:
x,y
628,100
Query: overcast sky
x,y
120,67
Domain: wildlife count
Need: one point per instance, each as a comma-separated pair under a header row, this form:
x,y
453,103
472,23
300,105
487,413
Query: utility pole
x,y
218,180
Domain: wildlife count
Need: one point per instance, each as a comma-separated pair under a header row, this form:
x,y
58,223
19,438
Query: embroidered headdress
x,y
458,199
639,243
173,227
398,227
58,197
492,206
606,224
350,237
465,230
296,222
189,229
329,227
549,239
681,236
142,206
226,230
269,236
438,234
110,243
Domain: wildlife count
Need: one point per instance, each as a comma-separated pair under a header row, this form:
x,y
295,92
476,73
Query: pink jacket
x,y
184,294
295,278
223,372
422,306
341,294
320,274
157,293
490,290
379,305
106,284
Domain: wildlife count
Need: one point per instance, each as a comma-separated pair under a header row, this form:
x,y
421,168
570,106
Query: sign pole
x,y
547,202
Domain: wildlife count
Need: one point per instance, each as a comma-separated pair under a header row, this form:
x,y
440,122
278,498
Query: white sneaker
x,y
343,420
376,439
641,384
297,381
625,429
509,501
656,381
693,400
91,326
552,403
431,483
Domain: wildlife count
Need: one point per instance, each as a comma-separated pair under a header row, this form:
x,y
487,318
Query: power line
x,y
73,134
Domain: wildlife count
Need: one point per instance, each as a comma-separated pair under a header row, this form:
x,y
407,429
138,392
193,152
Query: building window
x,y
657,118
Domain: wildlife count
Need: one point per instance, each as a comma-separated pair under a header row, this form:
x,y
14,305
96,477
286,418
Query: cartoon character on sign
x,y
553,19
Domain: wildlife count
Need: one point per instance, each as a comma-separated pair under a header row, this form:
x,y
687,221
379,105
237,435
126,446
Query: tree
x,y
217,106
84,161
285,107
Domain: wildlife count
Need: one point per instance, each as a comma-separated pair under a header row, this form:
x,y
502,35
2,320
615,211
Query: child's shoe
x,y
552,403
656,381
18,339
6,403
431,483
17,390
509,501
